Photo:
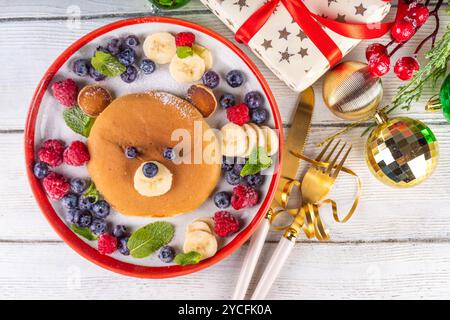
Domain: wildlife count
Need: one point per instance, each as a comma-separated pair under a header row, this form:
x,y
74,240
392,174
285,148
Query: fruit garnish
x,y
225,224
65,92
129,75
76,154
203,99
150,238
238,114
84,232
166,254
243,197
127,57
51,152
78,121
184,39
107,64
107,244
211,79
56,186
257,161
184,52
235,78
192,257
160,47
254,99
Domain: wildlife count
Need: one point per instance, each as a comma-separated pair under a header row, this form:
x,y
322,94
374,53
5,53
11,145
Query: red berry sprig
x,y
404,28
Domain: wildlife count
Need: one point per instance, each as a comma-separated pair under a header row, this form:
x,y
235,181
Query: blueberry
x,y
40,170
123,246
129,75
81,67
211,79
131,152
147,66
82,219
131,41
222,199
86,203
102,49
79,185
150,170
113,46
233,178
98,226
259,115
254,180
119,231
235,78
70,201
101,209
166,254
127,56
70,215
227,100
254,99
227,163
97,76
169,154
238,167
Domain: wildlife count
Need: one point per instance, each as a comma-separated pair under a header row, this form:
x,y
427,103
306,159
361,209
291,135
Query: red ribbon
x,y
311,24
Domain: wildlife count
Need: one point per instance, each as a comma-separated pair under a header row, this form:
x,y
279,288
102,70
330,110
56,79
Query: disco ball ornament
x,y
401,152
350,92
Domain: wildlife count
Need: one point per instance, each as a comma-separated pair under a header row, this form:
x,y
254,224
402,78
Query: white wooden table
x,y
397,245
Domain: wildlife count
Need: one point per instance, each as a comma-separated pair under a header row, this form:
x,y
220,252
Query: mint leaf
x,y
84,232
192,257
184,52
257,162
150,238
107,64
92,192
78,121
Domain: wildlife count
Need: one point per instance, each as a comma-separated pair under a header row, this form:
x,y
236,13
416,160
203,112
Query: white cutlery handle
x,y
251,258
273,268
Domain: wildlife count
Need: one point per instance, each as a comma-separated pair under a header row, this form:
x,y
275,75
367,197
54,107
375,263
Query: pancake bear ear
x,y
93,99
203,99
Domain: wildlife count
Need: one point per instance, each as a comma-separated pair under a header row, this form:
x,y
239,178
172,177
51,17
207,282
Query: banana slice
x,y
156,186
198,226
234,140
205,54
202,242
271,138
260,134
209,221
188,69
160,47
252,138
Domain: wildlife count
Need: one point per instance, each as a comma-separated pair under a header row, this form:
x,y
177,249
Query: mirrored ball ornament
x,y
350,92
401,152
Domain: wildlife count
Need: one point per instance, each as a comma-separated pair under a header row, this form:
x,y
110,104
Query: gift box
x,y
300,40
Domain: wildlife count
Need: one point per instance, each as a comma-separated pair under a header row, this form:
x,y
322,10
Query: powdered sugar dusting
x,y
183,107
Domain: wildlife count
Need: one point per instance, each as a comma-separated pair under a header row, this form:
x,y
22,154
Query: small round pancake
x,y
147,122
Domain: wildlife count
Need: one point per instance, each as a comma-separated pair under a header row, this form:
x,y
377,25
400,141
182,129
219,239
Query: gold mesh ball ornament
x,y
401,152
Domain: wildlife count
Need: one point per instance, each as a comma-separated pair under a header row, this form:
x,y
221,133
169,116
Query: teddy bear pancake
x,y
149,182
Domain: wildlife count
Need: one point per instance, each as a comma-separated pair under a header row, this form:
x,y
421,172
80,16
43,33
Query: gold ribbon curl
x,y
307,217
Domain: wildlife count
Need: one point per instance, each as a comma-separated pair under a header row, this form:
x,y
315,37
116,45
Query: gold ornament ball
x,y
401,152
350,92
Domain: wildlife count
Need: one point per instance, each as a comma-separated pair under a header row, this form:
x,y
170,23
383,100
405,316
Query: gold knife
x,y
296,139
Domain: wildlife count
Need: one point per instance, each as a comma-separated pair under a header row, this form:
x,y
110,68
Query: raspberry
x,y
375,49
185,39
107,244
51,152
243,197
239,114
76,154
56,185
403,30
225,224
65,92
405,67
379,65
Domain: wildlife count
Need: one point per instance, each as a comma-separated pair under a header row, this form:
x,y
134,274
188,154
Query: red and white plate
x,y
45,122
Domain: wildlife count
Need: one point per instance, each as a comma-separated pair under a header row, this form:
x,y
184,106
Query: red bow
x,y
311,23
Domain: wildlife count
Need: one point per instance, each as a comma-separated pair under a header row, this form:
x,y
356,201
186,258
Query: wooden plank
x,y
381,215
37,53
313,271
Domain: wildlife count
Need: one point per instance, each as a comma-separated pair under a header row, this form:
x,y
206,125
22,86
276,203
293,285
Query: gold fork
x,y
318,181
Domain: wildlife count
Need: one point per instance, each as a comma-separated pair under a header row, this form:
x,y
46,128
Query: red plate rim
x,y
63,230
